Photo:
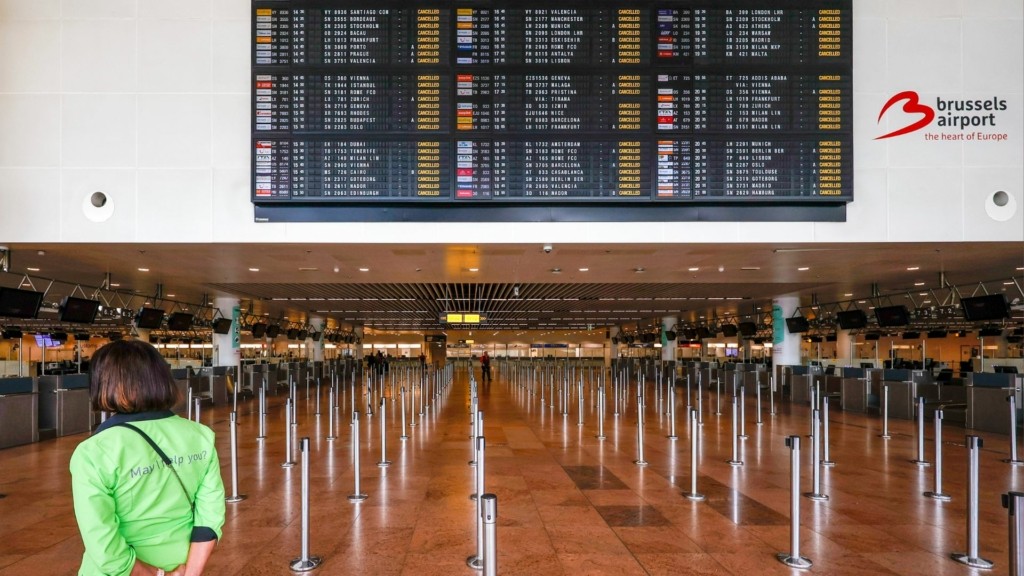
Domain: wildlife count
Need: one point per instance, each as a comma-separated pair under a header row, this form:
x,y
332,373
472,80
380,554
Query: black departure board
x,y
497,103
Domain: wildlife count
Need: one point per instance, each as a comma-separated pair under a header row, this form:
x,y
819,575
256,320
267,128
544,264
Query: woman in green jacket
x,y
148,494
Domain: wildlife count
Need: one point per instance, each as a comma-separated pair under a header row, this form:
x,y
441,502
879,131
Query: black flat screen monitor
x,y
293,333
937,333
797,324
259,330
12,334
889,316
222,326
990,332
690,333
149,318
114,336
703,333
831,338
273,331
729,330
1005,369
79,310
852,319
15,303
815,340
303,334
180,321
316,336
872,336
747,328
911,335
990,307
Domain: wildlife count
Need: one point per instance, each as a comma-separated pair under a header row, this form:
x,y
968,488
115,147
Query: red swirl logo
x,y
911,105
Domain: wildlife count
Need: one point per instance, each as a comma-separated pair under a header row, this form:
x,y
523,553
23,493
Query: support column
x,y
668,347
227,350
785,346
316,348
846,351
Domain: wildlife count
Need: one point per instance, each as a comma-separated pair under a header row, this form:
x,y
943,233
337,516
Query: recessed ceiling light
x,y
170,295
143,269
309,269
584,269
254,269
32,269
848,294
1020,268
912,268
115,285
803,268
693,268
918,283
474,269
364,269
639,270
750,268
556,270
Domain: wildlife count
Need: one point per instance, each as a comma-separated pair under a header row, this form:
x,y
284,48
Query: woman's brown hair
x,y
130,376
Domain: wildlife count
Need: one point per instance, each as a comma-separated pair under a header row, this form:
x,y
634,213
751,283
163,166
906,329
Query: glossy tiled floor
x,y
568,503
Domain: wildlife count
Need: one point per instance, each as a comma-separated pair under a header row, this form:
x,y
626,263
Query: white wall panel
x,y
179,9
98,56
90,9
925,204
174,131
866,217
995,51
231,9
20,9
29,56
230,46
233,213
29,195
98,130
77,188
923,54
174,55
29,130
174,206
979,185
230,122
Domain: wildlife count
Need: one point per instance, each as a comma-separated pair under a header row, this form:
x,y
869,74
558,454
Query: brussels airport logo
x,y
958,119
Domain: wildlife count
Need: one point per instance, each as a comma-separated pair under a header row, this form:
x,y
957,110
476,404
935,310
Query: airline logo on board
x,y
947,113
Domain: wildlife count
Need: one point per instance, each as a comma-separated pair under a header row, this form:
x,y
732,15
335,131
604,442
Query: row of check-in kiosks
x,y
35,408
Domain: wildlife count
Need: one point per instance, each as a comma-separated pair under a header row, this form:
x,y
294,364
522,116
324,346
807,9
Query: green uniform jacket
x,y
128,503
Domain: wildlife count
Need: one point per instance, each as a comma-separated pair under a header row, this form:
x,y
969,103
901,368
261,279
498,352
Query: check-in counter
x,y
988,409
19,411
254,376
182,379
213,384
64,407
800,388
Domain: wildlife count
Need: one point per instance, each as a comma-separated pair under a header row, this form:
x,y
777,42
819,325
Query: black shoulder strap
x,y
163,456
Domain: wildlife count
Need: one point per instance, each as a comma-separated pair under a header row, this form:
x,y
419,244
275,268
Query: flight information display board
x,y
485,103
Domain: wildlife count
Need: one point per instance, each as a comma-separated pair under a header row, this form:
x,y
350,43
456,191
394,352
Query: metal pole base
x,y
287,464
475,562
735,462
743,436
938,496
884,436
973,562
600,436
331,438
403,437
923,463
640,462
672,437
828,463
236,498
1013,462
300,565
261,437
718,413
798,562
357,497
384,463
695,496
816,496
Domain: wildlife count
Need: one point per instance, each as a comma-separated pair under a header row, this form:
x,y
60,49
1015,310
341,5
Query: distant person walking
x,y
485,368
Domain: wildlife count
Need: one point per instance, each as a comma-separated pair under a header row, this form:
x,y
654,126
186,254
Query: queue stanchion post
x,y
693,494
196,411
330,415
490,517
404,436
357,494
743,412
288,462
1014,504
827,457
476,561
305,562
816,493
757,396
672,411
793,559
735,460
972,557
601,407
885,412
188,402
937,493
384,462
920,460
233,431
1013,460
640,429
263,413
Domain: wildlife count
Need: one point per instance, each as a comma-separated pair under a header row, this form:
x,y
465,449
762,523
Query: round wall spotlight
x,y
1001,206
